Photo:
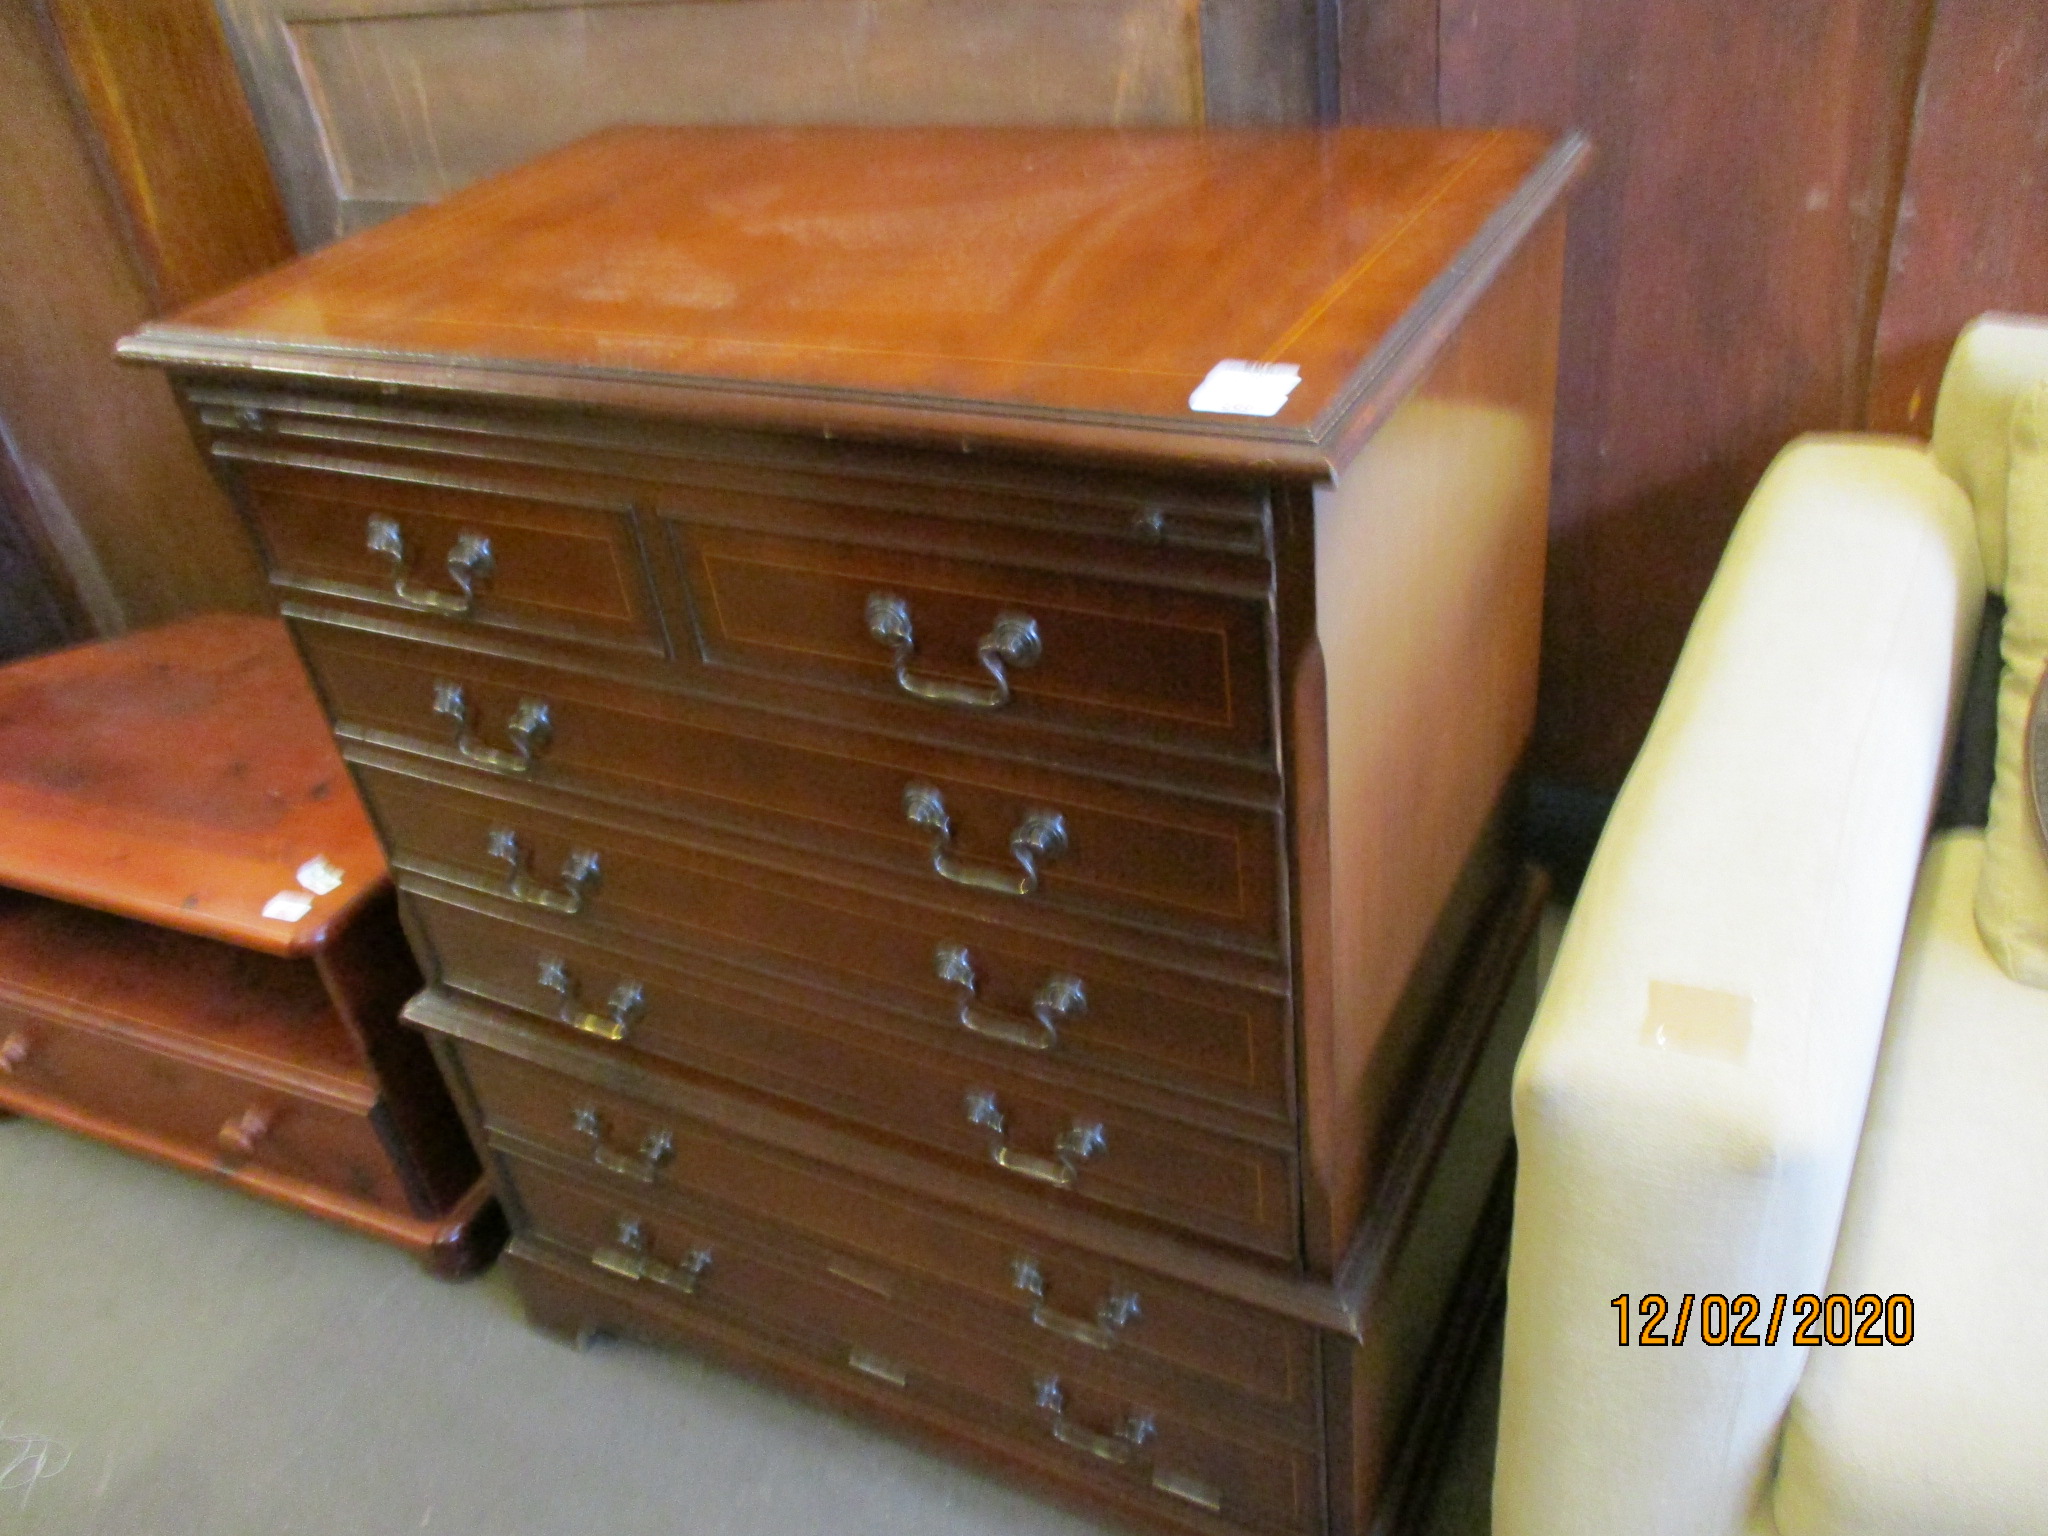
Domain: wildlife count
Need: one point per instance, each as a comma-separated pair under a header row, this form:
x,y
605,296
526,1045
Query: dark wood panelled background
x,y
1972,230
1794,208
106,493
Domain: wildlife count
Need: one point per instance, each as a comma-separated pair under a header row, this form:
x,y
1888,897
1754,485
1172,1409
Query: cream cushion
x,y
1949,1205
1995,358
2012,901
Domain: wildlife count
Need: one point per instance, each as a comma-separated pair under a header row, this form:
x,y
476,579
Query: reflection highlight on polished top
x,y
1049,270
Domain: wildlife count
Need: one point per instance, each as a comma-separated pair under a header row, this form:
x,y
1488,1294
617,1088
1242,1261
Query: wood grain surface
x,y
177,139
1198,1346
1231,1193
867,956
181,776
1150,857
262,1014
1972,227
115,492
1007,278
1411,709
373,106
1720,284
173,1085
1793,210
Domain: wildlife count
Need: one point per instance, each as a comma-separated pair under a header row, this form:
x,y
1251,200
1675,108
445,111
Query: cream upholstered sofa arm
x,y
1688,1103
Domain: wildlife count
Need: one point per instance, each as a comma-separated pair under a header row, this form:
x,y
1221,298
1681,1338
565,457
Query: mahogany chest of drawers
x,y
940,702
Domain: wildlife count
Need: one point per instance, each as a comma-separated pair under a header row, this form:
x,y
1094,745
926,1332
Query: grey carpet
x,y
177,1359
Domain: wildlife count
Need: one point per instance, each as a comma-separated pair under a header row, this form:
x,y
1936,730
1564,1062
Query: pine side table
x,y
199,956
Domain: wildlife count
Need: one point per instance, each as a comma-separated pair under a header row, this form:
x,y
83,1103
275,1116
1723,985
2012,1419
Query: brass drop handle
x,y
1038,839
1012,641
628,1257
242,1135
1079,1142
578,877
1118,1310
656,1148
1060,999
531,728
14,1051
470,564
622,1009
1119,1448
1129,1446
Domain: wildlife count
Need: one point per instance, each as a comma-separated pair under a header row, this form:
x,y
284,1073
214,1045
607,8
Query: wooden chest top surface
x,y
1039,287
183,776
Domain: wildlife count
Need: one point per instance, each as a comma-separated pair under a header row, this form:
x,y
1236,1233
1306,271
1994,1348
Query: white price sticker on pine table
x,y
1238,388
287,906
319,876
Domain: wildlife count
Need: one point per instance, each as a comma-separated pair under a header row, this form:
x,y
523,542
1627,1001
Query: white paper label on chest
x,y
1237,388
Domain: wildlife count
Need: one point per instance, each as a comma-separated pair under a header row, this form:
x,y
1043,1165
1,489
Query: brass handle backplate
x,y
470,564
1012,641
1038,839
622,1009
578,877
1079,1142
628,1257
656,1148
1118,1311
1060,999
531,728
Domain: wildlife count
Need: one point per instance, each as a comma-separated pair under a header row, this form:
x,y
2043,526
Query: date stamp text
x,y
1744,1320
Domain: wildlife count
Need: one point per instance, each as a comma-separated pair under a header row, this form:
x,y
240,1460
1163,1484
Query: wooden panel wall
x,y
1972,230
1727,281
174,134
111,483
374,106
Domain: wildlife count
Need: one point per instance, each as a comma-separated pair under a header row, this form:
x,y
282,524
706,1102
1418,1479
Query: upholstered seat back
x,y
1996,358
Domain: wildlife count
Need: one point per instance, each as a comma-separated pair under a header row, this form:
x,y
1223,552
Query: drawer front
x,y
944,973
1048,646
214,1114
1148,596
1045,1317
461,552
1064,1143
682,1270
997,834
1255,1355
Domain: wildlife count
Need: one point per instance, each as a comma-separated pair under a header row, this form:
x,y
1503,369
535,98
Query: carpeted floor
x,y
179,1360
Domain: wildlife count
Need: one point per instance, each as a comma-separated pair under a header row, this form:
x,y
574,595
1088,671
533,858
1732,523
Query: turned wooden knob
x,y
243,1134
13,1051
